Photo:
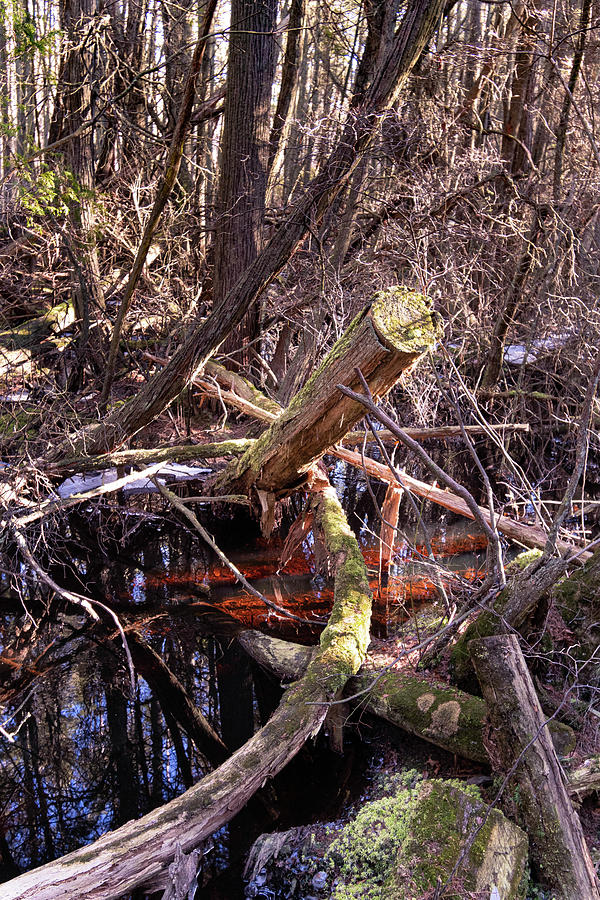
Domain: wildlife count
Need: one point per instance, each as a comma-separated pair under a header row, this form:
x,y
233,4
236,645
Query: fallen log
x,y
140,852
522,744
384,341
173,453
444,432
528,535
429,709
519,599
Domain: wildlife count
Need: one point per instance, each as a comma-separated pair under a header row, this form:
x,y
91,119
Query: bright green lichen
x,y
403,845
403,318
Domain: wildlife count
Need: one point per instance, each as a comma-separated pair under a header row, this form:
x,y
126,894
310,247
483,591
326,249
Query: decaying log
x,y
30,334
20,344
519,599
140,852
384,341
584,779
522,743
173,453
528,535
429,709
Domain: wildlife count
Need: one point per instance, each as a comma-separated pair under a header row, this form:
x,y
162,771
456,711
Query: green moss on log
x,y
486,623
403,320
442,715
403,846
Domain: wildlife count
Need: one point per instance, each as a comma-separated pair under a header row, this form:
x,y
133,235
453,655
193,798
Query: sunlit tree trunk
x,y
244,153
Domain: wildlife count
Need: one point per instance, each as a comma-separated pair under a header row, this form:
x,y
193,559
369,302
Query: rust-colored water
x,y
295,589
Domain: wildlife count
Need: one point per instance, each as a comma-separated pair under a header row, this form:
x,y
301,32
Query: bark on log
x,y
584,779
522,742
519,599
140,852
384,341
183,453
528,535
434,711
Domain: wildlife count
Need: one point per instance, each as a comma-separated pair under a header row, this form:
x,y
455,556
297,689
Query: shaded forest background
x,y
480,187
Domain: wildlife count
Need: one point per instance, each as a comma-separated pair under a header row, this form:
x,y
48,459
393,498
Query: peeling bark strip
x,y
140,852
384,341
523,742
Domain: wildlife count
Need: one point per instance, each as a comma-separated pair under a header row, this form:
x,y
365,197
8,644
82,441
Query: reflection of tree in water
x,y
89,757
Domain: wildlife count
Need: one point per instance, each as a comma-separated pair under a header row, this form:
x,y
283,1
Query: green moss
x,y
524,559
29,334
403,319
367,847
401,846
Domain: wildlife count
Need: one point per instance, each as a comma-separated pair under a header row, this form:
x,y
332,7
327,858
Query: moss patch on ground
x,y
404,845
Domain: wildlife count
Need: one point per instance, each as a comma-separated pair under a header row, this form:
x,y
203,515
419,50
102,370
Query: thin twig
x,y
189,515
367,401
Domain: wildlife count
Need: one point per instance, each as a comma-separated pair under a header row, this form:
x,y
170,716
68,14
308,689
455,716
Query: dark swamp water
x,y
85,753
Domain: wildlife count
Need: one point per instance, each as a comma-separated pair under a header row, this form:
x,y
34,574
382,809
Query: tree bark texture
x,y
166,185
418,24
522,742
384,341
244,154
140,852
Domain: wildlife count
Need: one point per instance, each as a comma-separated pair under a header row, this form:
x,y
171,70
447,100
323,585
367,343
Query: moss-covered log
x,y
173,453
429,709
30,334
575,596
384,341
523,747
140,852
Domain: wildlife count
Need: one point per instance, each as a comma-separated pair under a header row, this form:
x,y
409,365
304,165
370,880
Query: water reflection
x,y
88,753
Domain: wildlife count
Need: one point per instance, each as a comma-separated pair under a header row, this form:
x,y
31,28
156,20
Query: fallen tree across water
x,y
140,852
388,339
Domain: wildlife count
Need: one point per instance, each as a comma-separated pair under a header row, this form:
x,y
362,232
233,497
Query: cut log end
x,y
404,321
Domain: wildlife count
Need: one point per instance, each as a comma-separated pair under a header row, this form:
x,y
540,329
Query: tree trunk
x,y
563,123
522,743
74,100
244,154
383,341
289,80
